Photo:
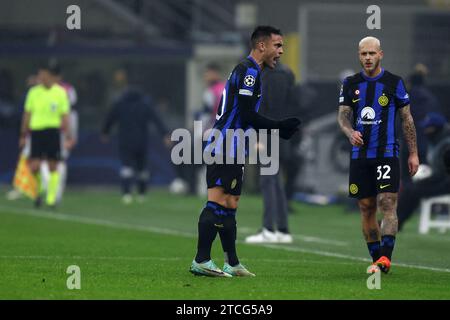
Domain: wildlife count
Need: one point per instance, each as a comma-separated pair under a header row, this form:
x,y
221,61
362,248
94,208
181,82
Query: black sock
x,y
142,181
374,250
283,230
207,232
228,237
387,246
142,186
126,185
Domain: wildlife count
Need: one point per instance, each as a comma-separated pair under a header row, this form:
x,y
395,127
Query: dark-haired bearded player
x,y
238,109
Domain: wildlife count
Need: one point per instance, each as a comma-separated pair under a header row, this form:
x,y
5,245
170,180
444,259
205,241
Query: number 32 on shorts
x,y
383,172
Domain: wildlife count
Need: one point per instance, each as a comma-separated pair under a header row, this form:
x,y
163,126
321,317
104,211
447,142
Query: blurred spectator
x,y
213,93
422,101
277,103
9,115
433,178
6,85
132,110
302,104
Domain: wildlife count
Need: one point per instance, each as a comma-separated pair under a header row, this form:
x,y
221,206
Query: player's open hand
x,y
413,164
356,139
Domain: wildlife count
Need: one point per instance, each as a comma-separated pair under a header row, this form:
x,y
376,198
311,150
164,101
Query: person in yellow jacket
x,y
46,114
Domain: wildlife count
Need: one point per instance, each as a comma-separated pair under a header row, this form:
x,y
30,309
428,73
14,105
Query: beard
x,y
374,66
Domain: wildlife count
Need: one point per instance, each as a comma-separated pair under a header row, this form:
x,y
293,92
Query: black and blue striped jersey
x,y
242,91
375,102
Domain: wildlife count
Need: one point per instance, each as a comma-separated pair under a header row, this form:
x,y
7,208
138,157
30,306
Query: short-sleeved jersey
x,y
46,106
375,102
244,80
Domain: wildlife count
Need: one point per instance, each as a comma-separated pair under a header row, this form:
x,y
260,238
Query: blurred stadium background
x,y
165,45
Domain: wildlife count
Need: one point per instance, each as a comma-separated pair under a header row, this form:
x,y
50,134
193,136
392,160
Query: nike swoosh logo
x,y
384,186
355,100
218,225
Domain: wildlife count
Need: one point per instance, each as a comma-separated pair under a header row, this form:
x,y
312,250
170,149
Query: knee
x,y
387,202
368,208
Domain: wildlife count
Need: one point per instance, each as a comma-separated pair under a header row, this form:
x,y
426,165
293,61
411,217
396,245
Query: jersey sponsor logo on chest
x,y
367,117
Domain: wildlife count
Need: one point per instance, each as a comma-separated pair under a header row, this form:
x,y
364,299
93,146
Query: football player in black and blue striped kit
x,y
369,103
238,109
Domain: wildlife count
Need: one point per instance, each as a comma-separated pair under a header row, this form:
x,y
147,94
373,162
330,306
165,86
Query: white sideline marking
x,y
93,221
107,223
344,256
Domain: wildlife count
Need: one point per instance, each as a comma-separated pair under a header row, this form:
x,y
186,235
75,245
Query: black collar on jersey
x,y
254,62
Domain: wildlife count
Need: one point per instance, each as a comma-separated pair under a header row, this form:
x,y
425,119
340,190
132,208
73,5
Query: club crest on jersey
x,y
383,100
249,80
353,188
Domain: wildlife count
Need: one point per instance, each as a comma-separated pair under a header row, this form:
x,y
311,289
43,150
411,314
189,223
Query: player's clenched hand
x,y
356,139
413,164
288,127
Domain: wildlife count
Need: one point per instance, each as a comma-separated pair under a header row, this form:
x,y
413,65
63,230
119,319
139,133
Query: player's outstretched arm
x,y
345,116
249,116
409,133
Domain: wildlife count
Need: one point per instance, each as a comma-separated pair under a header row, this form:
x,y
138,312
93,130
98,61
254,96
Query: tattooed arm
x,y
345,122
409,132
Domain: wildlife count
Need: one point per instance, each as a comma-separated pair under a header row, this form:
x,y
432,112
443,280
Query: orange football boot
x,y
384,264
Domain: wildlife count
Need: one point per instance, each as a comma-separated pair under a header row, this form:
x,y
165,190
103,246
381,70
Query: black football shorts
x,y
227,176
369,177
46,144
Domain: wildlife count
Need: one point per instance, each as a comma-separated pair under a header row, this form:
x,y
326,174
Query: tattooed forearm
x,y
409,130
345,117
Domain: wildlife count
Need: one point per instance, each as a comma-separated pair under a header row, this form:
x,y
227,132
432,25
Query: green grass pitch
x,y
143,251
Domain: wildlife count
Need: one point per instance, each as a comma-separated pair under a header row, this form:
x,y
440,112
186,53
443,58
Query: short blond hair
x,y
370,40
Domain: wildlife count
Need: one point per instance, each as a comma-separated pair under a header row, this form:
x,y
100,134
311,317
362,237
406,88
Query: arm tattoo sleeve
x,y
409,130
345,117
